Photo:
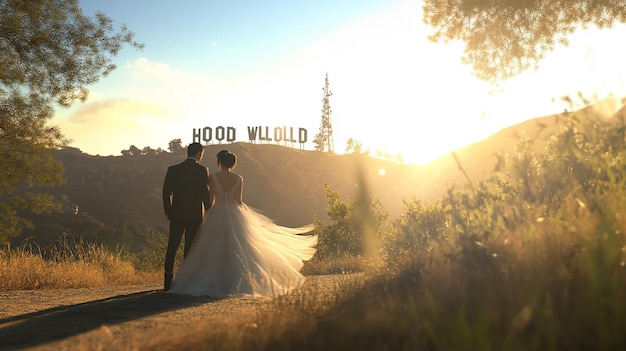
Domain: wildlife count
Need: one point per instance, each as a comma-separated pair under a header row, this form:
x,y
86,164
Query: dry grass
x,y
343,265
67,265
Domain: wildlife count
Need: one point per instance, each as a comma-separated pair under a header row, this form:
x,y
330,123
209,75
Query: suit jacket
x,y
186,191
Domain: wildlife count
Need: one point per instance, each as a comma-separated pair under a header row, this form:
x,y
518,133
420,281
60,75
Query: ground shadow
x,y
42,327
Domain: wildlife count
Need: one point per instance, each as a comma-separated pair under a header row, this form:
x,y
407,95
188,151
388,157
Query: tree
x,y
133,151
147,150
505,37
175,145
49,53
353,146
349,223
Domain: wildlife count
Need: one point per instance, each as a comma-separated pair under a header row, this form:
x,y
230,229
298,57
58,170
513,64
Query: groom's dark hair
x,y
193,149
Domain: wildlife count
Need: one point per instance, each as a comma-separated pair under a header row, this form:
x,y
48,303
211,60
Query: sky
x,y
233,65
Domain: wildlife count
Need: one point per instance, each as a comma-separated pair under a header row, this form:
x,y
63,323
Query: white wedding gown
x,y
239,252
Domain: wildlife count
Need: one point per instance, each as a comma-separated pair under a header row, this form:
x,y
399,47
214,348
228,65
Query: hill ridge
x,y
284,183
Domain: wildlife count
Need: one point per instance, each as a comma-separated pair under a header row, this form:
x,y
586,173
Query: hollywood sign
x,y
256,133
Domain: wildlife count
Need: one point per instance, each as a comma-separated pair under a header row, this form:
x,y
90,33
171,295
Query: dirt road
x,y
121,318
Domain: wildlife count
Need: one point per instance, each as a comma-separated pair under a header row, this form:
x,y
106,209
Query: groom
x,y
185,198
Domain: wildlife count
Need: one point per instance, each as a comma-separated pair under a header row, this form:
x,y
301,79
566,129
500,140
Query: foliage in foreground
x,y
504,38
68,264
530,259
49,53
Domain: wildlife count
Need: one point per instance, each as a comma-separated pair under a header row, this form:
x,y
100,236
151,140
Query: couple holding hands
x,y
230,249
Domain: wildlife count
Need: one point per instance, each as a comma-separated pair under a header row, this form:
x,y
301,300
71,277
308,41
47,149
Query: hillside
x,y
285,184
480,159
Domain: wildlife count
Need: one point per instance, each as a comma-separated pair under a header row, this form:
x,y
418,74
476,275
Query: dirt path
x,y
121,318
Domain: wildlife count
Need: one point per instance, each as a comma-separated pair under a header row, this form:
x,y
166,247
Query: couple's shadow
x,y
57,323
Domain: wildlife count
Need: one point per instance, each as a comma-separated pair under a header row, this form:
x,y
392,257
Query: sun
x,y
382,172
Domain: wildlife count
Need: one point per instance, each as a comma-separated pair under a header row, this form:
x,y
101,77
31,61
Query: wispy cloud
x,y
118,113
105,126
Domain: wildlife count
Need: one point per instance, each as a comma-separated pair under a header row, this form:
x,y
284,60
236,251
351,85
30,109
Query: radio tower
x,y
324,140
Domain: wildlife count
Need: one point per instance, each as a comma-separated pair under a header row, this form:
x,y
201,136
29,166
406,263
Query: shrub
x,y
351,224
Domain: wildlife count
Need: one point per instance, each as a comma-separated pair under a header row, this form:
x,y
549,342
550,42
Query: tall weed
x,y
67,263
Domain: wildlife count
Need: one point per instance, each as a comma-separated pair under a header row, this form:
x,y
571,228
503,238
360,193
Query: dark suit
x,y
185,198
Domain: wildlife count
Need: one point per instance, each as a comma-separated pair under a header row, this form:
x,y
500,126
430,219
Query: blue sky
x,y
250,63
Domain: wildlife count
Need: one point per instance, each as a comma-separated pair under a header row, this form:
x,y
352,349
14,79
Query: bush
x,y
152,257
351,225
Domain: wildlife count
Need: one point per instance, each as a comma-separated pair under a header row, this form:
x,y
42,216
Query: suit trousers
x,y
177,230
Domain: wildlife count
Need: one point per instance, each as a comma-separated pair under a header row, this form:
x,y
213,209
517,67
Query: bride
x,y
238,251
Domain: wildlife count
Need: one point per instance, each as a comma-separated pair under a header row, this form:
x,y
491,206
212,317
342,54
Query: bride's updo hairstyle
x,y
227,159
